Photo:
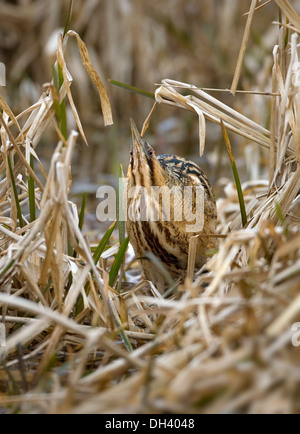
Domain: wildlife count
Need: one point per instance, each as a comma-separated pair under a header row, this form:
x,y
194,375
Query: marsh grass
x,y
78,341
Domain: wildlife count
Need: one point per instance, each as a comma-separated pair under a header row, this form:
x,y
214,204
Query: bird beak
x,y
136,139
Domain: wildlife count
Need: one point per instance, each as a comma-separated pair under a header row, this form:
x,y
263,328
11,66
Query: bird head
x,y
144,167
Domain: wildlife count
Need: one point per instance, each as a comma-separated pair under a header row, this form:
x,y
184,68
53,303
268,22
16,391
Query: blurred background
x,y
141,42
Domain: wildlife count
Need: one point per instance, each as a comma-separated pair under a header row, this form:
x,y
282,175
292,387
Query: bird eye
x,y
150,152
131,153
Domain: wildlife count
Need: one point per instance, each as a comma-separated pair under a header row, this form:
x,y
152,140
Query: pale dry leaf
x,y
67,80
86,61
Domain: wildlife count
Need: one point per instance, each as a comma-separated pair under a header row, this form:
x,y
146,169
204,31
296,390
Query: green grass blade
x,y
31,194
123,335
60,109
48,286
240,194
279,212
113,274
71,250
82,212
281,218
133,89
63,119
56,87
5,269
236,175
19,212
103,243
69,17
96,256
121,221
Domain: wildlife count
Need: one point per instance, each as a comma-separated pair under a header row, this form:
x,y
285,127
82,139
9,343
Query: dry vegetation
x,y
78,340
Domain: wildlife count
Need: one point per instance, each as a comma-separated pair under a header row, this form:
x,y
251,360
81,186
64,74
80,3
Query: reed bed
x,y
77,338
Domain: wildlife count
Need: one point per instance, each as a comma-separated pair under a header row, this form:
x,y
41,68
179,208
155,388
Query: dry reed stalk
x,y
245,39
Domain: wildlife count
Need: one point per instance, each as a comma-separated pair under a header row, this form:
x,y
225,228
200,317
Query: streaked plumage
x,y
167,240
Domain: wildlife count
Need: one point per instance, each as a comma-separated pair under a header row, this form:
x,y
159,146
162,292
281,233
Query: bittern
x,y
153,182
